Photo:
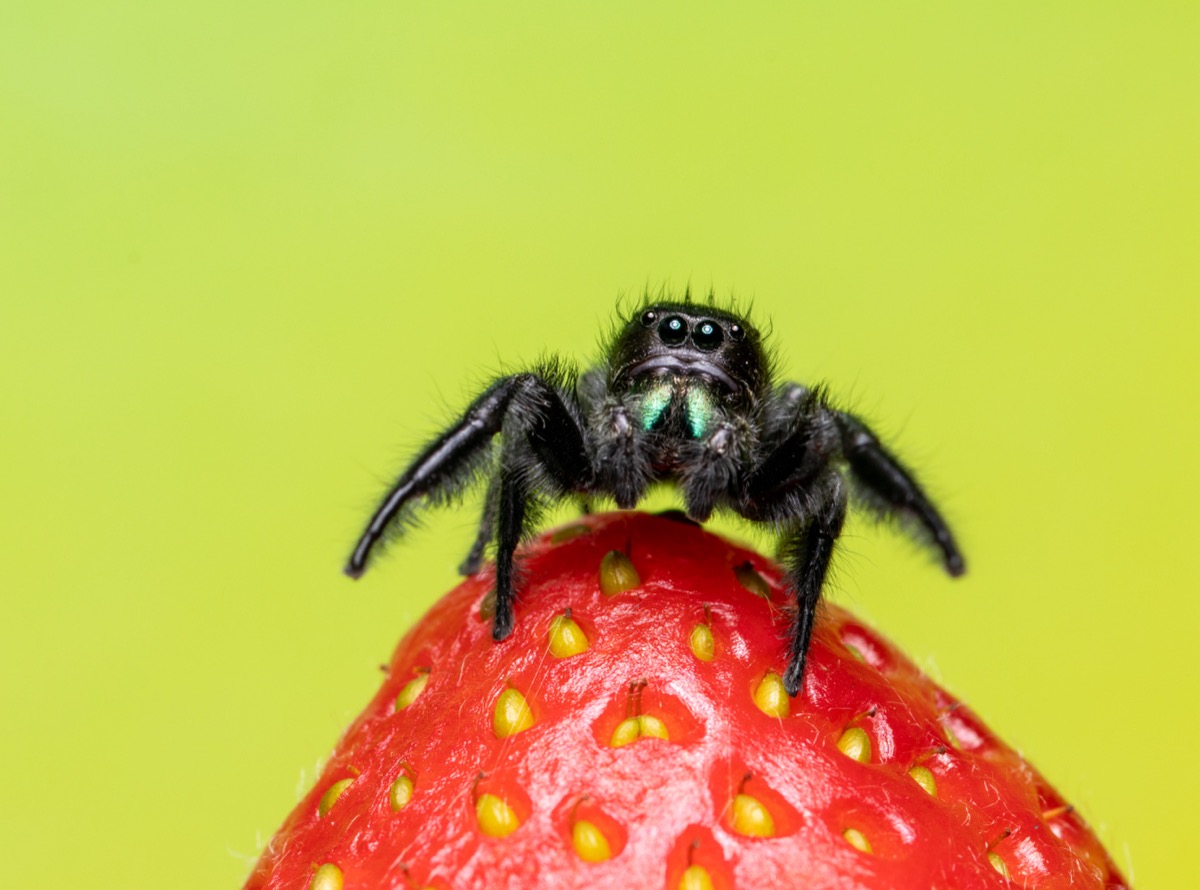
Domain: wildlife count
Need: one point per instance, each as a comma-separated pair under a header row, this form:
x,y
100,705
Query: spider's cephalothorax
x,y
684,394
676,400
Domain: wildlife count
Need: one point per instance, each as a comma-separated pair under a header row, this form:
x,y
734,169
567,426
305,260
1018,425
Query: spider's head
x,y
687,340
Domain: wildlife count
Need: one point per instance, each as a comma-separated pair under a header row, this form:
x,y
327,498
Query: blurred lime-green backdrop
x,y
251,255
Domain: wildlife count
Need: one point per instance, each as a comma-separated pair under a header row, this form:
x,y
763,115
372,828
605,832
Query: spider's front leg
x,y
797,487
442,470
544,452
807,550
487,528
543,443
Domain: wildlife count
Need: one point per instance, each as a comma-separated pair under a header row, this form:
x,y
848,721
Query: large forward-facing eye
x,y
673,330
708,336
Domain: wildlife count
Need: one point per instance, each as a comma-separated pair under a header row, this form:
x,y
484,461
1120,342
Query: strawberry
x,y
634,732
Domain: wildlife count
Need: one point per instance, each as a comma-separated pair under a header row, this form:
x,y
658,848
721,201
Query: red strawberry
x,y
633,732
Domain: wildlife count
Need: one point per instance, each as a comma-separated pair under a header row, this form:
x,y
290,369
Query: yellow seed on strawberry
x,y
998,864
412,690
924,778
566,637
651,727
617,574
856,744
770,696
752,581
627,731
857,840
512,714
330,797
401,792
702,642
751,818
696,878
568,532
954,740
495,817
642,726
590,842
328,877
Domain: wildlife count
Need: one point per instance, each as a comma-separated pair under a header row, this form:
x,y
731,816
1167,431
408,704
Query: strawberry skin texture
x,y
685,638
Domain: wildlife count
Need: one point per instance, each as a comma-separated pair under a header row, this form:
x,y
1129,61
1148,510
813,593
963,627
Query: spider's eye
x,y
708,336
737,332
673,330
649,317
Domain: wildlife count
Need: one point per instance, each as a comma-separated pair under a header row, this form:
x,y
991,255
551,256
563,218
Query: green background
x,y
251,255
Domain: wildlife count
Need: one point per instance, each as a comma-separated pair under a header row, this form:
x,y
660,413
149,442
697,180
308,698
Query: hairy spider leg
x,y
487,528
487,525
510,528
797,486
544,447
793,484
443,468
807,552
450,462
891,488
486,534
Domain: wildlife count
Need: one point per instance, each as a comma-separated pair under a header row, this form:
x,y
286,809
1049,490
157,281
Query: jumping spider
x,y
683,394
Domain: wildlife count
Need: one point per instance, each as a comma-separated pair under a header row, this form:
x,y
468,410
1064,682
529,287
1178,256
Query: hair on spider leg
x,y
686,393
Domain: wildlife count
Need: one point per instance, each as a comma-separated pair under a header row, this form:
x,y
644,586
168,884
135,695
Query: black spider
x,y
684,394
